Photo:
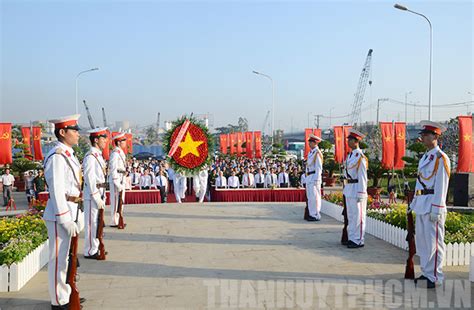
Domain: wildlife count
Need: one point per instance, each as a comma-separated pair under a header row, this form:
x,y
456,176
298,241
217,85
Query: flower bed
x,y
22,242
459,227
390,223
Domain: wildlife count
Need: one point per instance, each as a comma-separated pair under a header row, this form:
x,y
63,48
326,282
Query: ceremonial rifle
x,y
121,224
100,232
74,299
410,266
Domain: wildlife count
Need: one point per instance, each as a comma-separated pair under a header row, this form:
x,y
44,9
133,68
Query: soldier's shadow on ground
x,y
24,304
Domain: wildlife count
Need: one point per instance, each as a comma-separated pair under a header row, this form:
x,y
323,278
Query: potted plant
x,y
330,166
375,172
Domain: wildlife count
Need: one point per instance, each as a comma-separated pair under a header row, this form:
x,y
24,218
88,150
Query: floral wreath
x,y
194,150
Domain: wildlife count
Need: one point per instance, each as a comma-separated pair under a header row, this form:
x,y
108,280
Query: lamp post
x,y
273,102
77,79
404,8
406,106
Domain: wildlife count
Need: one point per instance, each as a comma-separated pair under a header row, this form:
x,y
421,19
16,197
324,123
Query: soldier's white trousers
x,y
356,214
180,188
429,239
59,243
114,195
91,243
199,187
313,193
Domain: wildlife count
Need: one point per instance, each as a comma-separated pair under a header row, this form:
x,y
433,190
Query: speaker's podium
x,y
464,189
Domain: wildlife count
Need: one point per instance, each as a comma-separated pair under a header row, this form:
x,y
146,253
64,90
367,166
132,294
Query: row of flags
x,y
393,143
34,132
233,144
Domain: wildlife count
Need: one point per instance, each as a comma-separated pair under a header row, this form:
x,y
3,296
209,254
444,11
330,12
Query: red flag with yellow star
x,y
26,133
257,135
400,145
307,132
37,143
388,145
249,144
339,144
466,154
240,140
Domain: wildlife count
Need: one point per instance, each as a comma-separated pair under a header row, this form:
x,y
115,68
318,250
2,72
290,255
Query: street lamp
x,y
273,101
404,8
77,78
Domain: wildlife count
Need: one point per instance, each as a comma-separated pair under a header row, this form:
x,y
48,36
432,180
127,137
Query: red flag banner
x,y
240,140
466,153
307,132
106,150
388,145
249,144
339,144
26,133
347,149
258,144
223,143
37,143
400,145
317,132
5,143
129,143
232,142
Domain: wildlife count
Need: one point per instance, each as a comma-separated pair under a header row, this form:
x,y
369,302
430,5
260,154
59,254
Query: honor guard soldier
x,y
62,215
117,164
313,179
355,190
94,168
429,204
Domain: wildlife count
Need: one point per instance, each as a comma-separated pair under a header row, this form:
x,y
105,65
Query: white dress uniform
x,y
248,180
200,185
180,186
355,192
312,178
233,182
271,179
429,204
116,182
221,182
62,172
94,168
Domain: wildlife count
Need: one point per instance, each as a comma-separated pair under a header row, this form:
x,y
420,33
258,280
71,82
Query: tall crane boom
x,y
89,116
103,117
265,122
359,95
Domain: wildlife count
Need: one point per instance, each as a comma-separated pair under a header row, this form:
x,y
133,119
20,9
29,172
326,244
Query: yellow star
x,y
189,146
388,138
467,137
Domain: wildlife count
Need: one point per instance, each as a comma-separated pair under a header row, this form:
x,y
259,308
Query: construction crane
x,y
359,95
265,122
89,116
103,117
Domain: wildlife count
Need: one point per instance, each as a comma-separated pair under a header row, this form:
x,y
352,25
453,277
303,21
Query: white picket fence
x,y
456,254
15,276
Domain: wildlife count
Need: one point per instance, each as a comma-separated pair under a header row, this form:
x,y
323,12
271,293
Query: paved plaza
x,y
219,255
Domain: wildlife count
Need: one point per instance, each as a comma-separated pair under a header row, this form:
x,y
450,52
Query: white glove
x,y
434,217
98,201
80,221
71,228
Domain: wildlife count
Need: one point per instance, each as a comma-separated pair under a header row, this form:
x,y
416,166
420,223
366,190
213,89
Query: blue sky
x,y
178,57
